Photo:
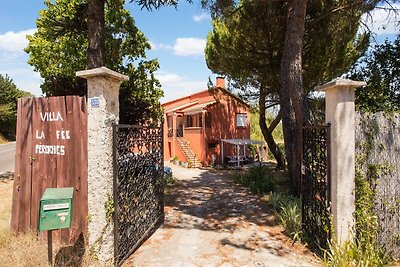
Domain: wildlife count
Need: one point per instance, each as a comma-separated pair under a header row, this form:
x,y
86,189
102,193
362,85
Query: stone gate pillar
x,y
103,109
340,112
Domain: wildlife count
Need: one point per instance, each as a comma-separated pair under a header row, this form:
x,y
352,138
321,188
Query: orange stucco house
x,y
195,125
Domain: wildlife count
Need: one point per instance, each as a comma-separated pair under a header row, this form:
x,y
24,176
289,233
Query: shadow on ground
x,y
210,201
214,200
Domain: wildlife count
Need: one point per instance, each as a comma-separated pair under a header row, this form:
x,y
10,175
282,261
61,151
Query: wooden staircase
x,y
188,152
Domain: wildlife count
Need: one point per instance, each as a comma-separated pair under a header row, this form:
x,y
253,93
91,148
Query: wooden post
x,y
50,246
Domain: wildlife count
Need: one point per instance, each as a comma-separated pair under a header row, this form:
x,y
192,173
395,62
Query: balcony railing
x,y
179,132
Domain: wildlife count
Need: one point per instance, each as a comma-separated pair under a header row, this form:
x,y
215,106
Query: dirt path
x,y
209,221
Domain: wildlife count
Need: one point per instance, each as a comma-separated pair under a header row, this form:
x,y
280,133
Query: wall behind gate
x,y
378,156
51,151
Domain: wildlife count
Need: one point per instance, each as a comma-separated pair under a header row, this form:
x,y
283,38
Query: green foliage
x,y
169,179
109,207
247,45
9,93
58,49
380,68
354,253
290,218
364,249
288,210
255,131
366,219
259,179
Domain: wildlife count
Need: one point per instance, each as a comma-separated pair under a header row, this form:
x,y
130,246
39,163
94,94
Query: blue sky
x,y
177,37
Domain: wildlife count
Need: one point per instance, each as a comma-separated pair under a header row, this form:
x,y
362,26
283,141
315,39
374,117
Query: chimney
x,y
220,82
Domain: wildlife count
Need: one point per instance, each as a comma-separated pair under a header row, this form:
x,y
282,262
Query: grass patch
x,y
6,187
25,249
3,140
21,250
354,254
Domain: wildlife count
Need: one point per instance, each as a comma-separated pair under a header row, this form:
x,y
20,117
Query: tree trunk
x,y
96,34
275,122
267,133
291,88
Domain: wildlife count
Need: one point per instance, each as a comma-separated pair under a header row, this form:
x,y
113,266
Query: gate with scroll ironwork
x,y
138,186
316,213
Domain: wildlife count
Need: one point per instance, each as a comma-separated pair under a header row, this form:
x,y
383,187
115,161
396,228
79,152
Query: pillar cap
x,y
102,71
340,83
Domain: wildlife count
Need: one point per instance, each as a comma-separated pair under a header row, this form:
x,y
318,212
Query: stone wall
x,y
378,156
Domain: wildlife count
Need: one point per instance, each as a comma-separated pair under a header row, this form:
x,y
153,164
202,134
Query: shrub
x,y
288,210
290,218
259,179
169,179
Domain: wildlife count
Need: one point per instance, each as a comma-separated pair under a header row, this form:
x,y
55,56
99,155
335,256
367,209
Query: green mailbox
x,y
56,209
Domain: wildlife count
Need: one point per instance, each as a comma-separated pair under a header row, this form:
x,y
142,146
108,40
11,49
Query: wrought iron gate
x,y
316,214
138,186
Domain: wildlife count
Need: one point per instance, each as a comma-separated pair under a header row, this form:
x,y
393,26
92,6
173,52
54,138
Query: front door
x,y
179,123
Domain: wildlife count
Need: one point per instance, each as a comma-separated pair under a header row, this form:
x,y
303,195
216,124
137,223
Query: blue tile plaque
x,y
95,102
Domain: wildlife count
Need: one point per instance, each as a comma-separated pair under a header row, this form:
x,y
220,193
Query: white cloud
x,y
169,78
382,21
189,47
183,47
176,86
201,17
14,41
159,46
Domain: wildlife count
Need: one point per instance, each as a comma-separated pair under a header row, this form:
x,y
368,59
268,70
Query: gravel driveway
x,y
209,221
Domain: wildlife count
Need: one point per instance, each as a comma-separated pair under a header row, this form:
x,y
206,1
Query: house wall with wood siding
x,y
205,141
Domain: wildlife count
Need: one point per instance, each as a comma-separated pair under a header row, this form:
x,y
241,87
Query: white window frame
x,y
241,120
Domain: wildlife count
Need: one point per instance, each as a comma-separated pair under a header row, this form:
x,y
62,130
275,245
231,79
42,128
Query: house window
x,y
194,120
189,121
169,121
241,119
212,145
207,120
